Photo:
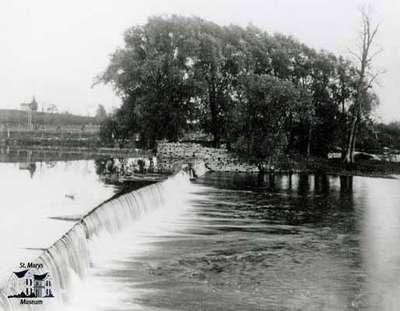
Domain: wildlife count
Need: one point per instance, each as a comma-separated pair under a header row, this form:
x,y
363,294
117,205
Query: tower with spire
x,y
29,107
34,105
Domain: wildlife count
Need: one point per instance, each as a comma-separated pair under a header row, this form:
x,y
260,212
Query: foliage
x,y
262,118
261,94
101,113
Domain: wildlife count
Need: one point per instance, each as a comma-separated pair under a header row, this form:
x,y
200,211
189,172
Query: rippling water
x,y
224,242
235,242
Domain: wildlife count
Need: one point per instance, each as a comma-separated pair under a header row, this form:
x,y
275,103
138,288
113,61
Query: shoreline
x,y
233,164
377,169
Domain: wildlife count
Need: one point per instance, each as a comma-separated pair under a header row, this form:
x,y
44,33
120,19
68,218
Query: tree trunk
x,y
355,140
212,98
367,39
343,140
348,158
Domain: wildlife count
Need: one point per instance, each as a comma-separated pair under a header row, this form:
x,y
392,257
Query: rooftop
x,y
21,274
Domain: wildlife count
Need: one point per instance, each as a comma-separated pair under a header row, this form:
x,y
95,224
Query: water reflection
x,y
303,184
346,184
280,242
245,242
380,241
37,198
322,184
31,167
18,155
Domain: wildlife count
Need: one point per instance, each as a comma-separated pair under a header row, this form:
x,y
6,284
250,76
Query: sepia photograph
x,y
195,155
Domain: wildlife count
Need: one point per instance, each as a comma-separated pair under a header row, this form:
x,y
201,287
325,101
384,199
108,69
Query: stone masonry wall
x,y
216,159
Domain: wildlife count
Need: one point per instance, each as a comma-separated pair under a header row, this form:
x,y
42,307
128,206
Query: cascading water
x,y
71,256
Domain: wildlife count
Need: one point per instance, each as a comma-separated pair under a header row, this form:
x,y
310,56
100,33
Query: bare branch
x,y
372,79
365,78
354,54
375,54
374,32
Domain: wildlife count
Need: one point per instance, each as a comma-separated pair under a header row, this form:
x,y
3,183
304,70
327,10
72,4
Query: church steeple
x,y
34,105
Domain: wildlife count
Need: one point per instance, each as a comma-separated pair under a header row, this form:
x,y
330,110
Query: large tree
x,y
364,98
152,76
266,104
257,92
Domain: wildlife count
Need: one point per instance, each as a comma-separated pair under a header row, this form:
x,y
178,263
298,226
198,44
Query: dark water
x,y
287,243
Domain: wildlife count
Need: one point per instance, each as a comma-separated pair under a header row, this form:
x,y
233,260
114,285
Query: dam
x,y
71,256
224,241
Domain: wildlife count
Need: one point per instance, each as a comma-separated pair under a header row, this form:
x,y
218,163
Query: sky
x,y
54,49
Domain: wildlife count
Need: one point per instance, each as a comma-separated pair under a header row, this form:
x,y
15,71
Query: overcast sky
x,y
53,49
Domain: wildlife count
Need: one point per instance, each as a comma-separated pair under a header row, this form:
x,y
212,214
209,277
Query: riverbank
x,y
368,168
371,168
214,159
54,153
221,160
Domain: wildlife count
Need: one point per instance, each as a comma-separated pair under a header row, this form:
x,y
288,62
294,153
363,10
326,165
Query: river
x,y
41,200
234,242
292,243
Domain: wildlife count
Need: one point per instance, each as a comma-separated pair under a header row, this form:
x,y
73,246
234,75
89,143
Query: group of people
x,y
126,167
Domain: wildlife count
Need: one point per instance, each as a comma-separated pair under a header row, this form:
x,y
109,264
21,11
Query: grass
x,y
12,116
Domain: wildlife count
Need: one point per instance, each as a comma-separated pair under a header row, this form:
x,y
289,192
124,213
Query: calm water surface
x,y
239,243
39,202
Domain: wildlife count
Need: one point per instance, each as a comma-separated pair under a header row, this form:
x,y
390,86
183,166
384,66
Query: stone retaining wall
x,y
216,159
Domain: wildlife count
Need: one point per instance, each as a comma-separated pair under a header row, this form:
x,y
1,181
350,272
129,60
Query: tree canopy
x,y
260,94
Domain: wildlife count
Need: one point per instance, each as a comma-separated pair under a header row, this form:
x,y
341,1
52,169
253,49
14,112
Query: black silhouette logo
x,y
27,284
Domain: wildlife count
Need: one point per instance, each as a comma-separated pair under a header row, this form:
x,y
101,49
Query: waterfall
x,y
70,256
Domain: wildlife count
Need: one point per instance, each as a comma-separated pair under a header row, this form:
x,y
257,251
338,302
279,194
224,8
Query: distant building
x,y
29,107
32,106
17,122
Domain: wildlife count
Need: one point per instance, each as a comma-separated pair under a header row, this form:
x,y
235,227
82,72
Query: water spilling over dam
x,y
232,242
71,256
